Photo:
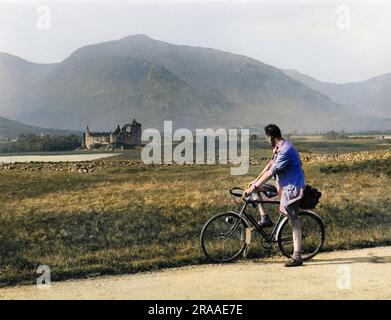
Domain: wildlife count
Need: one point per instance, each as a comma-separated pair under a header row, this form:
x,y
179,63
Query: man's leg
x,y
293,214
265,219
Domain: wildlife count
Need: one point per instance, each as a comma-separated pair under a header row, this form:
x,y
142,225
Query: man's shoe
x,y
265,222
294,263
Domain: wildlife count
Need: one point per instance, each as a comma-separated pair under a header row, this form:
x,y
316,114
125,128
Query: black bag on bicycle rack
x,y
311,197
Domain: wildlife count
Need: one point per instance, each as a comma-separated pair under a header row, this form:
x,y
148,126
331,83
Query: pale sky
x,y
313,37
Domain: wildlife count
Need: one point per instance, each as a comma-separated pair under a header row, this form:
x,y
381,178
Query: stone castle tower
x,y
127,137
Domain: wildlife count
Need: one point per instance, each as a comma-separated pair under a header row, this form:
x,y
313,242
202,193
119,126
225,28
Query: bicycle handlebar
x,y
235,194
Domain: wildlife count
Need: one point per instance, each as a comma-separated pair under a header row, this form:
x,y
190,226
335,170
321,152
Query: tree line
x,y
34,143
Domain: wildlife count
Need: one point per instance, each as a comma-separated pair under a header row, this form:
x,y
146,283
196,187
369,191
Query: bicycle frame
x,y
265,235
246,222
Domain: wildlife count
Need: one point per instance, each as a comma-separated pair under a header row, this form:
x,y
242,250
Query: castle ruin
x,y
127,137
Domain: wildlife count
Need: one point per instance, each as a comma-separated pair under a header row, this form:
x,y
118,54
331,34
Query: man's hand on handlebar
x,y
249,190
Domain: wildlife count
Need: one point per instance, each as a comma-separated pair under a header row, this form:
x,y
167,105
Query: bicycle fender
x,y
286,218
315,214
279,227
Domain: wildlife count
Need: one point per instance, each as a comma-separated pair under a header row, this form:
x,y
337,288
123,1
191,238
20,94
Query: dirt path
x,y
354,274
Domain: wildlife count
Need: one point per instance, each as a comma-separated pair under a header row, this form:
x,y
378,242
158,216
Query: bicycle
x,y
227,235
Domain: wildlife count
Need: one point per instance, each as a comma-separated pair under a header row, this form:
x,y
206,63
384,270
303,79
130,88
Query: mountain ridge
x,y
372,95
10,129
152,80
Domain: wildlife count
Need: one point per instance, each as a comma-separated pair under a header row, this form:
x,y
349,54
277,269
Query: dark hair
x,y
272,130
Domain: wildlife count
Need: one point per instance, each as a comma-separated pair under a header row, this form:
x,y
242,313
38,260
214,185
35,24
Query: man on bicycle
x,y
286,165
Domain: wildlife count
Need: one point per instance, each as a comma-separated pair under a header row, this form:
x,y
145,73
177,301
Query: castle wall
x,y
134,137
96,139
129,135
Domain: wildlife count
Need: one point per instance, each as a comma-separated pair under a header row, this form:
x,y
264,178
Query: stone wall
x,y
91,166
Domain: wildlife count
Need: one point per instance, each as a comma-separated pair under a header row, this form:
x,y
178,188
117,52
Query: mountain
x,y
372,96
11,129
16,75
109,83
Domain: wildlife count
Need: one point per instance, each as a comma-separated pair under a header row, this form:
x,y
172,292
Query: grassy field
x,y
130,219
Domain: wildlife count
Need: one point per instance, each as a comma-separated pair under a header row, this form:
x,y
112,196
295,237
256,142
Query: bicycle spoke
x,y
222,237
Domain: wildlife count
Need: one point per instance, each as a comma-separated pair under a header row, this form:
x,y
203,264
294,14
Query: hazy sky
x,y
318,38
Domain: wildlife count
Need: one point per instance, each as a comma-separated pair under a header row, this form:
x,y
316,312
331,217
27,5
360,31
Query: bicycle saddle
x,y
269,190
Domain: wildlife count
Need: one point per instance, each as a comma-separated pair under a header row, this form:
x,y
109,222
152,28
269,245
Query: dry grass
x,y
122,220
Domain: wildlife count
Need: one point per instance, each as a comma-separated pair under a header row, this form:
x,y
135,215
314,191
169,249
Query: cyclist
x,y
286,165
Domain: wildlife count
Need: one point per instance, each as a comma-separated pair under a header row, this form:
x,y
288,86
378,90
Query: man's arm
x,y
264,178
267,167
280,164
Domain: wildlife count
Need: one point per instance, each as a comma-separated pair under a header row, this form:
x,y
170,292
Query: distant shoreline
x,y
55,158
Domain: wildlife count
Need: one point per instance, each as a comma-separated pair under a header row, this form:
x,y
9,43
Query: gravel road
x,y
353,274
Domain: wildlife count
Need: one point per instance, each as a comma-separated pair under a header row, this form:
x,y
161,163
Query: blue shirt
x,y
290,174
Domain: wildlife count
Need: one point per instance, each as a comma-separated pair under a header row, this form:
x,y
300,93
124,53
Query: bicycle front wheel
x,y
312,235
223,237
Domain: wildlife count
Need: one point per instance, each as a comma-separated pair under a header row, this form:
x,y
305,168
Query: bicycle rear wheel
x,y
313,235
223,237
